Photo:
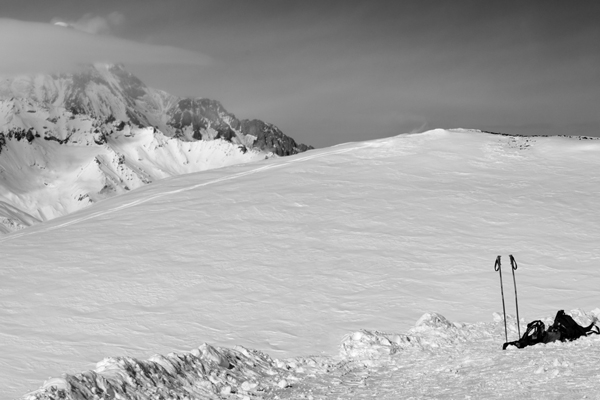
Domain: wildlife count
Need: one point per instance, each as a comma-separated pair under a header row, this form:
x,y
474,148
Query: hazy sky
x,y
332,71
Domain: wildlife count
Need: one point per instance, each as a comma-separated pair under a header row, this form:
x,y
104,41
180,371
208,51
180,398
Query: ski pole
x,y
498,267
513,264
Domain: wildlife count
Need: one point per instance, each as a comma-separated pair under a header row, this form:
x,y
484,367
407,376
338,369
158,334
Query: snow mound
x,y
434,320
430,331
367,345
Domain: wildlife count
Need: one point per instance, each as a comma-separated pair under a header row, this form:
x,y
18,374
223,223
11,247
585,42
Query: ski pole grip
x,y
497,265
513,263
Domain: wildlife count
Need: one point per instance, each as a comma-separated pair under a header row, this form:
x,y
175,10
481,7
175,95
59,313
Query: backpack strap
x,y
535,333
515,343
590,329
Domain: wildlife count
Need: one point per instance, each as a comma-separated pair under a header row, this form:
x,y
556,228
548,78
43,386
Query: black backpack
x,y
569,329
535,333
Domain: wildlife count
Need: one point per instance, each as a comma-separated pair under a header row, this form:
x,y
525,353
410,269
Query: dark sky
x,y
329,72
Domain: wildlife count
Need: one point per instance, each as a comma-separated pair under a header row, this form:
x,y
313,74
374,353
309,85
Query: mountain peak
x,y
113,134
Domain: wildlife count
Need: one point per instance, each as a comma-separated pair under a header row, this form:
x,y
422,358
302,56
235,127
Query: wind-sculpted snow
x,y
204,373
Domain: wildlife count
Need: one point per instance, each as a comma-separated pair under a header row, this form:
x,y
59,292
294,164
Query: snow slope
x,y
289,255
45,179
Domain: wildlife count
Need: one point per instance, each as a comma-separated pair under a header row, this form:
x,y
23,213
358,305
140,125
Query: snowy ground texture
x,y
289,256
436,359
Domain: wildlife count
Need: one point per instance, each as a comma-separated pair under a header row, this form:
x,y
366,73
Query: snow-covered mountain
x,y
69,140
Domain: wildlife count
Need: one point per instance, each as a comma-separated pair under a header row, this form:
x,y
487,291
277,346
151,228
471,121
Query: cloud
x,y
95,25
420,129
32,47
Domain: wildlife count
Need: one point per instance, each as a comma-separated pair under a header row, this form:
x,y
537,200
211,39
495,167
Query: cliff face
x,y
69,140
